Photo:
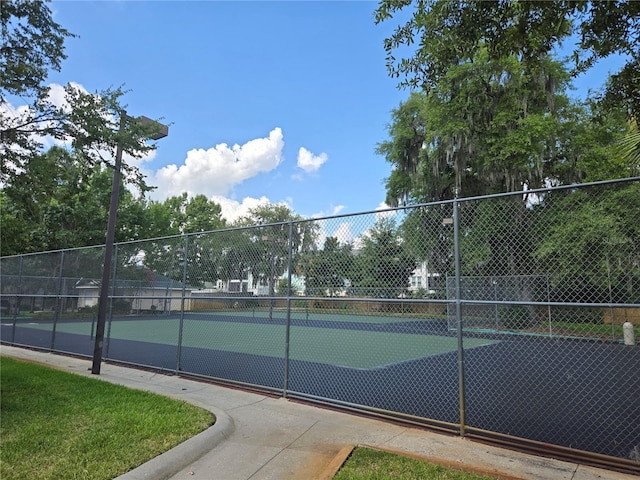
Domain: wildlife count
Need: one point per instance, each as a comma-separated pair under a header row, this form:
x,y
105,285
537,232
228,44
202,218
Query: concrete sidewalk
x,y
259,437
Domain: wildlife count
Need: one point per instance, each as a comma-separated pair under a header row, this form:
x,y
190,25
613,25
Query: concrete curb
x,y
332,469
493,472
180,457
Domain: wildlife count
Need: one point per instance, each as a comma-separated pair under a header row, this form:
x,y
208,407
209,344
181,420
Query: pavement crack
x,y
250,404
401,432
302,434
284,449
575,472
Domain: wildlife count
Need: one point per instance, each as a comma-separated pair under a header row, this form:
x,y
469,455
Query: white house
x,y
422,278
156,293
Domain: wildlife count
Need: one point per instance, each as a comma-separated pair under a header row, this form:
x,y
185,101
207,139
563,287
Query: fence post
x,y
495,306
16,310
184,291
549,306
456,254
56,313
285,384
113,293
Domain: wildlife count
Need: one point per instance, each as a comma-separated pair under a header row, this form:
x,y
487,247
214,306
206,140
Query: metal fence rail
x,y
506,317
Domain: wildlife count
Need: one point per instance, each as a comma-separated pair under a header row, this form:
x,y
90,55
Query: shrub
x,y
514,317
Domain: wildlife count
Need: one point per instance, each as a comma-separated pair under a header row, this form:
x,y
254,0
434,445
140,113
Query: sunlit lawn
x,y
58,425
369,464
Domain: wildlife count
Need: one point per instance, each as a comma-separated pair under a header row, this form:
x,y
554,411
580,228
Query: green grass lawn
x,y
60,425
589,328
369,464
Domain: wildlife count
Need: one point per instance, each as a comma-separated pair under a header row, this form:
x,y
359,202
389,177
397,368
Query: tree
x,y
32,44
591,244
485,127
62,202
451,33
96,124
178,215
326,270
608,28
383,265
159,220
59,194
232,254
13,234
405,151
428,237
93,123
492,114
482,130
214,255
59,203
202,215
182,214
267,251
629,147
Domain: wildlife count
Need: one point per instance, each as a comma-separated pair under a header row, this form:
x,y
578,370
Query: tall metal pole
x,y
16,308
185,259
461,372
114,274
108,254
59,300
288,328
272,277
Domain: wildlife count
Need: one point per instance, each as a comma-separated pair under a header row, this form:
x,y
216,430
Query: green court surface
x,y
350,348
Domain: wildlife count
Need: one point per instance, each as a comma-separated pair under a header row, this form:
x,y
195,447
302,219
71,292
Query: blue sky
x,y
271,78
278,101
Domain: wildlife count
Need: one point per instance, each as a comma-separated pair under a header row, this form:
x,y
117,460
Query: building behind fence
x,y
500,317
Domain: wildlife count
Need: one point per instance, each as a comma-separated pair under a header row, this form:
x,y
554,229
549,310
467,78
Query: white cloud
x,y
10,112
333,210
57,94
343,233
382,211
217,170
213,172
232,209
11,116
357,240
309,162
337,209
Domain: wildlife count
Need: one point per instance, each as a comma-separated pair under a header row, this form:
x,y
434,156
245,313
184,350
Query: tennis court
x,y
542,359
543,389
324,338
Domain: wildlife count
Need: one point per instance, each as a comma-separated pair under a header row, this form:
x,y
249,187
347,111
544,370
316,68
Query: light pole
x,y
161,132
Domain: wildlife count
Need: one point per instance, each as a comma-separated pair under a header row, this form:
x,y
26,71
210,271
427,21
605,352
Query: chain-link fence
x,y
509,317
